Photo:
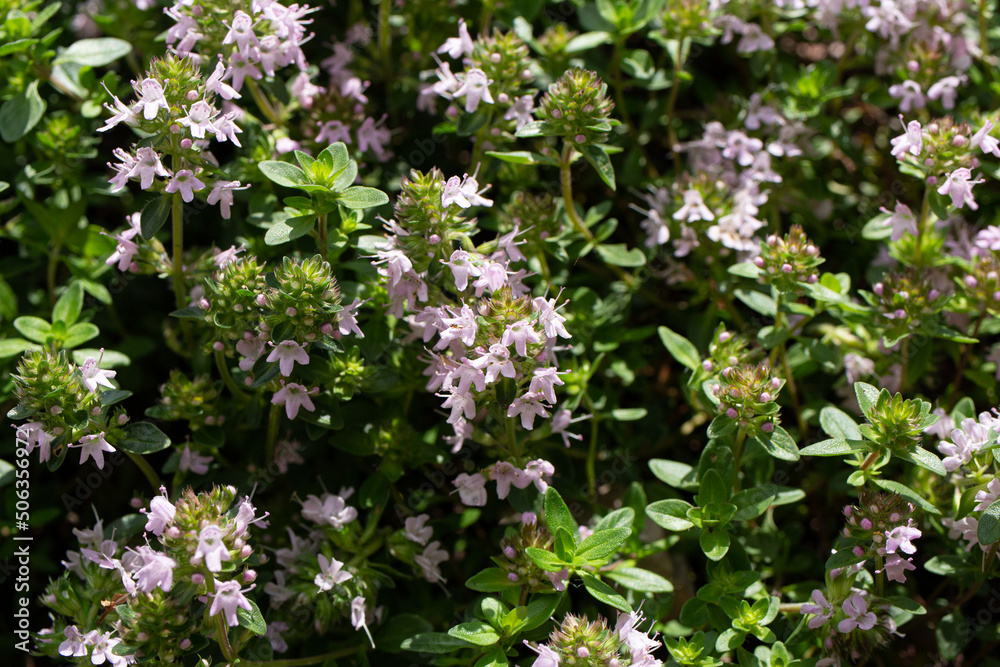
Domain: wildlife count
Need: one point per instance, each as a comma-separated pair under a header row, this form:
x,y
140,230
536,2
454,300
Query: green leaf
x,y
546,560
21,113
357,197
721,426
11,347
603,543
989,524
714,542
68,307
924,459
520,157
112,396
674,473
758,301
604,593
745,270
729,640
680,348
771,337
751,503
712,488
779,445
557,514
490,580
540,610
494,658
628,414
907,493
335,156
16,45
599,160
834,447
838,424
638,579
190,313
283,173
475,632
434,642
670,514
154,215
143,438
867,396
80,333
94,52
7,473
536,128
620,518
252,620
284,231
33,328
618,254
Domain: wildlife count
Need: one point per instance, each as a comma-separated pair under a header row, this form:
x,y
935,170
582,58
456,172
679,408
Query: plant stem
x,y
51,273
737,455
298,662
869,461
592,453
321,238
566,178
904,362
672,100
511,433
963,360
984,42
273,421
222,636
146,469
177,254
262,102
227,378
879,575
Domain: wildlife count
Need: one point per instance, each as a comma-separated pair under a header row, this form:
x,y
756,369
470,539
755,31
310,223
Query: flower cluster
x,y
881,524
788,260
578,641
747,393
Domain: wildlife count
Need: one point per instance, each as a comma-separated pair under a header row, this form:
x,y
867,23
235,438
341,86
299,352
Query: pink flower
x,y
544,381
151,98
147,165
910,95
896,566
331,573
294,396
157,570
858,615
982,139
193,461
528,406
222,194
94,376
899,538
988,496
286,353
911,141
240,32
471,489
456,47
185,182
959,187
505,474
93,446
416,530
520,334
475,88
228,598
429,561
161,513
211,548
822,609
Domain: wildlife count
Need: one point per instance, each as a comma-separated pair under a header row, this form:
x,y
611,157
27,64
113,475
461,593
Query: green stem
x,y
592,453
904,362
51,273
385,40
880,575
511,437
273,421
566,179
991,557
869,461
984,42
227,378
321,238
177,254
262,102
672,100
737,455
963,360
222,636
146,469
311,660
